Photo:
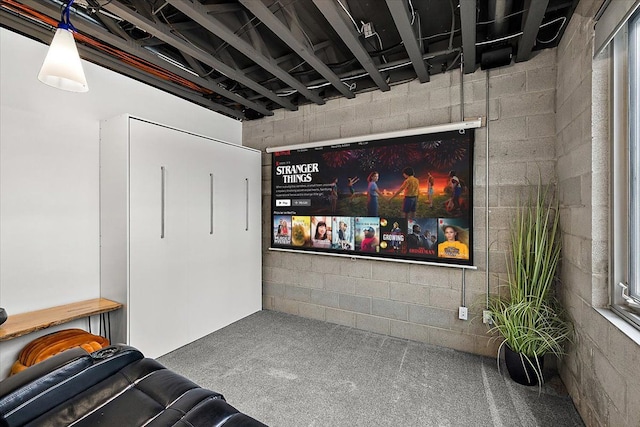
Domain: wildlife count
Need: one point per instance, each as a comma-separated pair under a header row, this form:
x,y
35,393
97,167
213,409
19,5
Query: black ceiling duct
x,y
496,57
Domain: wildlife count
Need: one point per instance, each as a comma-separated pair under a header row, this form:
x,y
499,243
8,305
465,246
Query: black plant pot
x,y
3,315
520,369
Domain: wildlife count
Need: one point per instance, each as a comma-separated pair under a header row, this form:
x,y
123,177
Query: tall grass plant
x,y
529,320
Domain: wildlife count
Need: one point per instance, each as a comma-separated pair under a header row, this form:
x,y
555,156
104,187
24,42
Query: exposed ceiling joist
x,y
144,8
289,17
533,18
112,25
152,41
248,58
350,37
277,27
401,16
163,32
214,9
228,59
197,66
138,51
468,26
253,68
318,46
196,12
98,57
252,32
184,26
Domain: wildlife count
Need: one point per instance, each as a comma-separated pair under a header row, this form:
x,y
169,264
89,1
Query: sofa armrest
x,y
60,384
41,369
115,386
28,385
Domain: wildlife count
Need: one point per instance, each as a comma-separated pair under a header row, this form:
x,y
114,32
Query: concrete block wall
x,y
410,300
601,369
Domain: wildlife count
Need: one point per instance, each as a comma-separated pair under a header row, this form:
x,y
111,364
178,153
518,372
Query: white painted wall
x,y
110,94
49,176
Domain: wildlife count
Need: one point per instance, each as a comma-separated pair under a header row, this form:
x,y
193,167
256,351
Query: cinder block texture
x,y
522,137
594,370
540,124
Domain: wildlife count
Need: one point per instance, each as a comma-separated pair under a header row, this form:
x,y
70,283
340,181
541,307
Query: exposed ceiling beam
x,y
534,15
196,12
279,29
468,25
256,39
151,41
226,57
253,68
214,9
447,55
305,13
288,15
164,33
112,25
108,61
135,48
400,13
144,8
197,66
350,36
185,26
318,46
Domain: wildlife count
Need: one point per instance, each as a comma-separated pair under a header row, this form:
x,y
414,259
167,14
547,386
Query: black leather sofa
x,y
115,386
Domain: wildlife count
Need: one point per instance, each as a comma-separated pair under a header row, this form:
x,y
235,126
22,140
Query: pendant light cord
x,y
65,20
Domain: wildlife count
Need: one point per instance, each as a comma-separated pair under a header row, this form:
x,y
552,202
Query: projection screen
x,y
404,196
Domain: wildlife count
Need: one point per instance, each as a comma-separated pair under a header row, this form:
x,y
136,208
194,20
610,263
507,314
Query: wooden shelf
x,y
25,323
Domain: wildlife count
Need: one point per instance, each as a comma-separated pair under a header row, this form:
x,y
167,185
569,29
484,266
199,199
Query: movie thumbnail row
x,y
429,238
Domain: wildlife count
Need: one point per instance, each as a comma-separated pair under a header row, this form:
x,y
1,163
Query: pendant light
x,y
62,67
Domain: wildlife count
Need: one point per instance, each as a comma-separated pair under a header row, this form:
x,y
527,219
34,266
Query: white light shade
x,y
62,67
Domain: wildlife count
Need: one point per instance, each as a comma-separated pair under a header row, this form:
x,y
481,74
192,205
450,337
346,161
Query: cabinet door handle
x,y
246,225
162,202
210,203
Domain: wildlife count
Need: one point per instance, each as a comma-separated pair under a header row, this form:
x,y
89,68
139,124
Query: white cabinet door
x,y
227,277
191,208
239,225
203,236
158,223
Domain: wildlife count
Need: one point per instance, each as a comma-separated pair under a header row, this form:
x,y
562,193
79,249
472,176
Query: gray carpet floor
x,y
288,371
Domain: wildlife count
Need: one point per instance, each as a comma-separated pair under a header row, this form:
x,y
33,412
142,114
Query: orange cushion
x,y
54,343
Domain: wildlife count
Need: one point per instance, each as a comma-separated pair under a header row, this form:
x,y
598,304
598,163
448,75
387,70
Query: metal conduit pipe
x,y
464,290
462,86
486,195
498,9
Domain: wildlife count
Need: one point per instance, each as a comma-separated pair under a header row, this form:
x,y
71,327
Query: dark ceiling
x,y
247,58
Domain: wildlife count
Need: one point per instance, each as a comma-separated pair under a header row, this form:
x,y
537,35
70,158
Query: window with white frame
x,y
625,176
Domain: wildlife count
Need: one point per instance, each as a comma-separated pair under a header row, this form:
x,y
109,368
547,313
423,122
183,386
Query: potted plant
x,y
529,319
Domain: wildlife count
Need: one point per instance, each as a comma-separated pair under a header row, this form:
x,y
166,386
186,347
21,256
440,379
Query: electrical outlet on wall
x,y
486,317
462,313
